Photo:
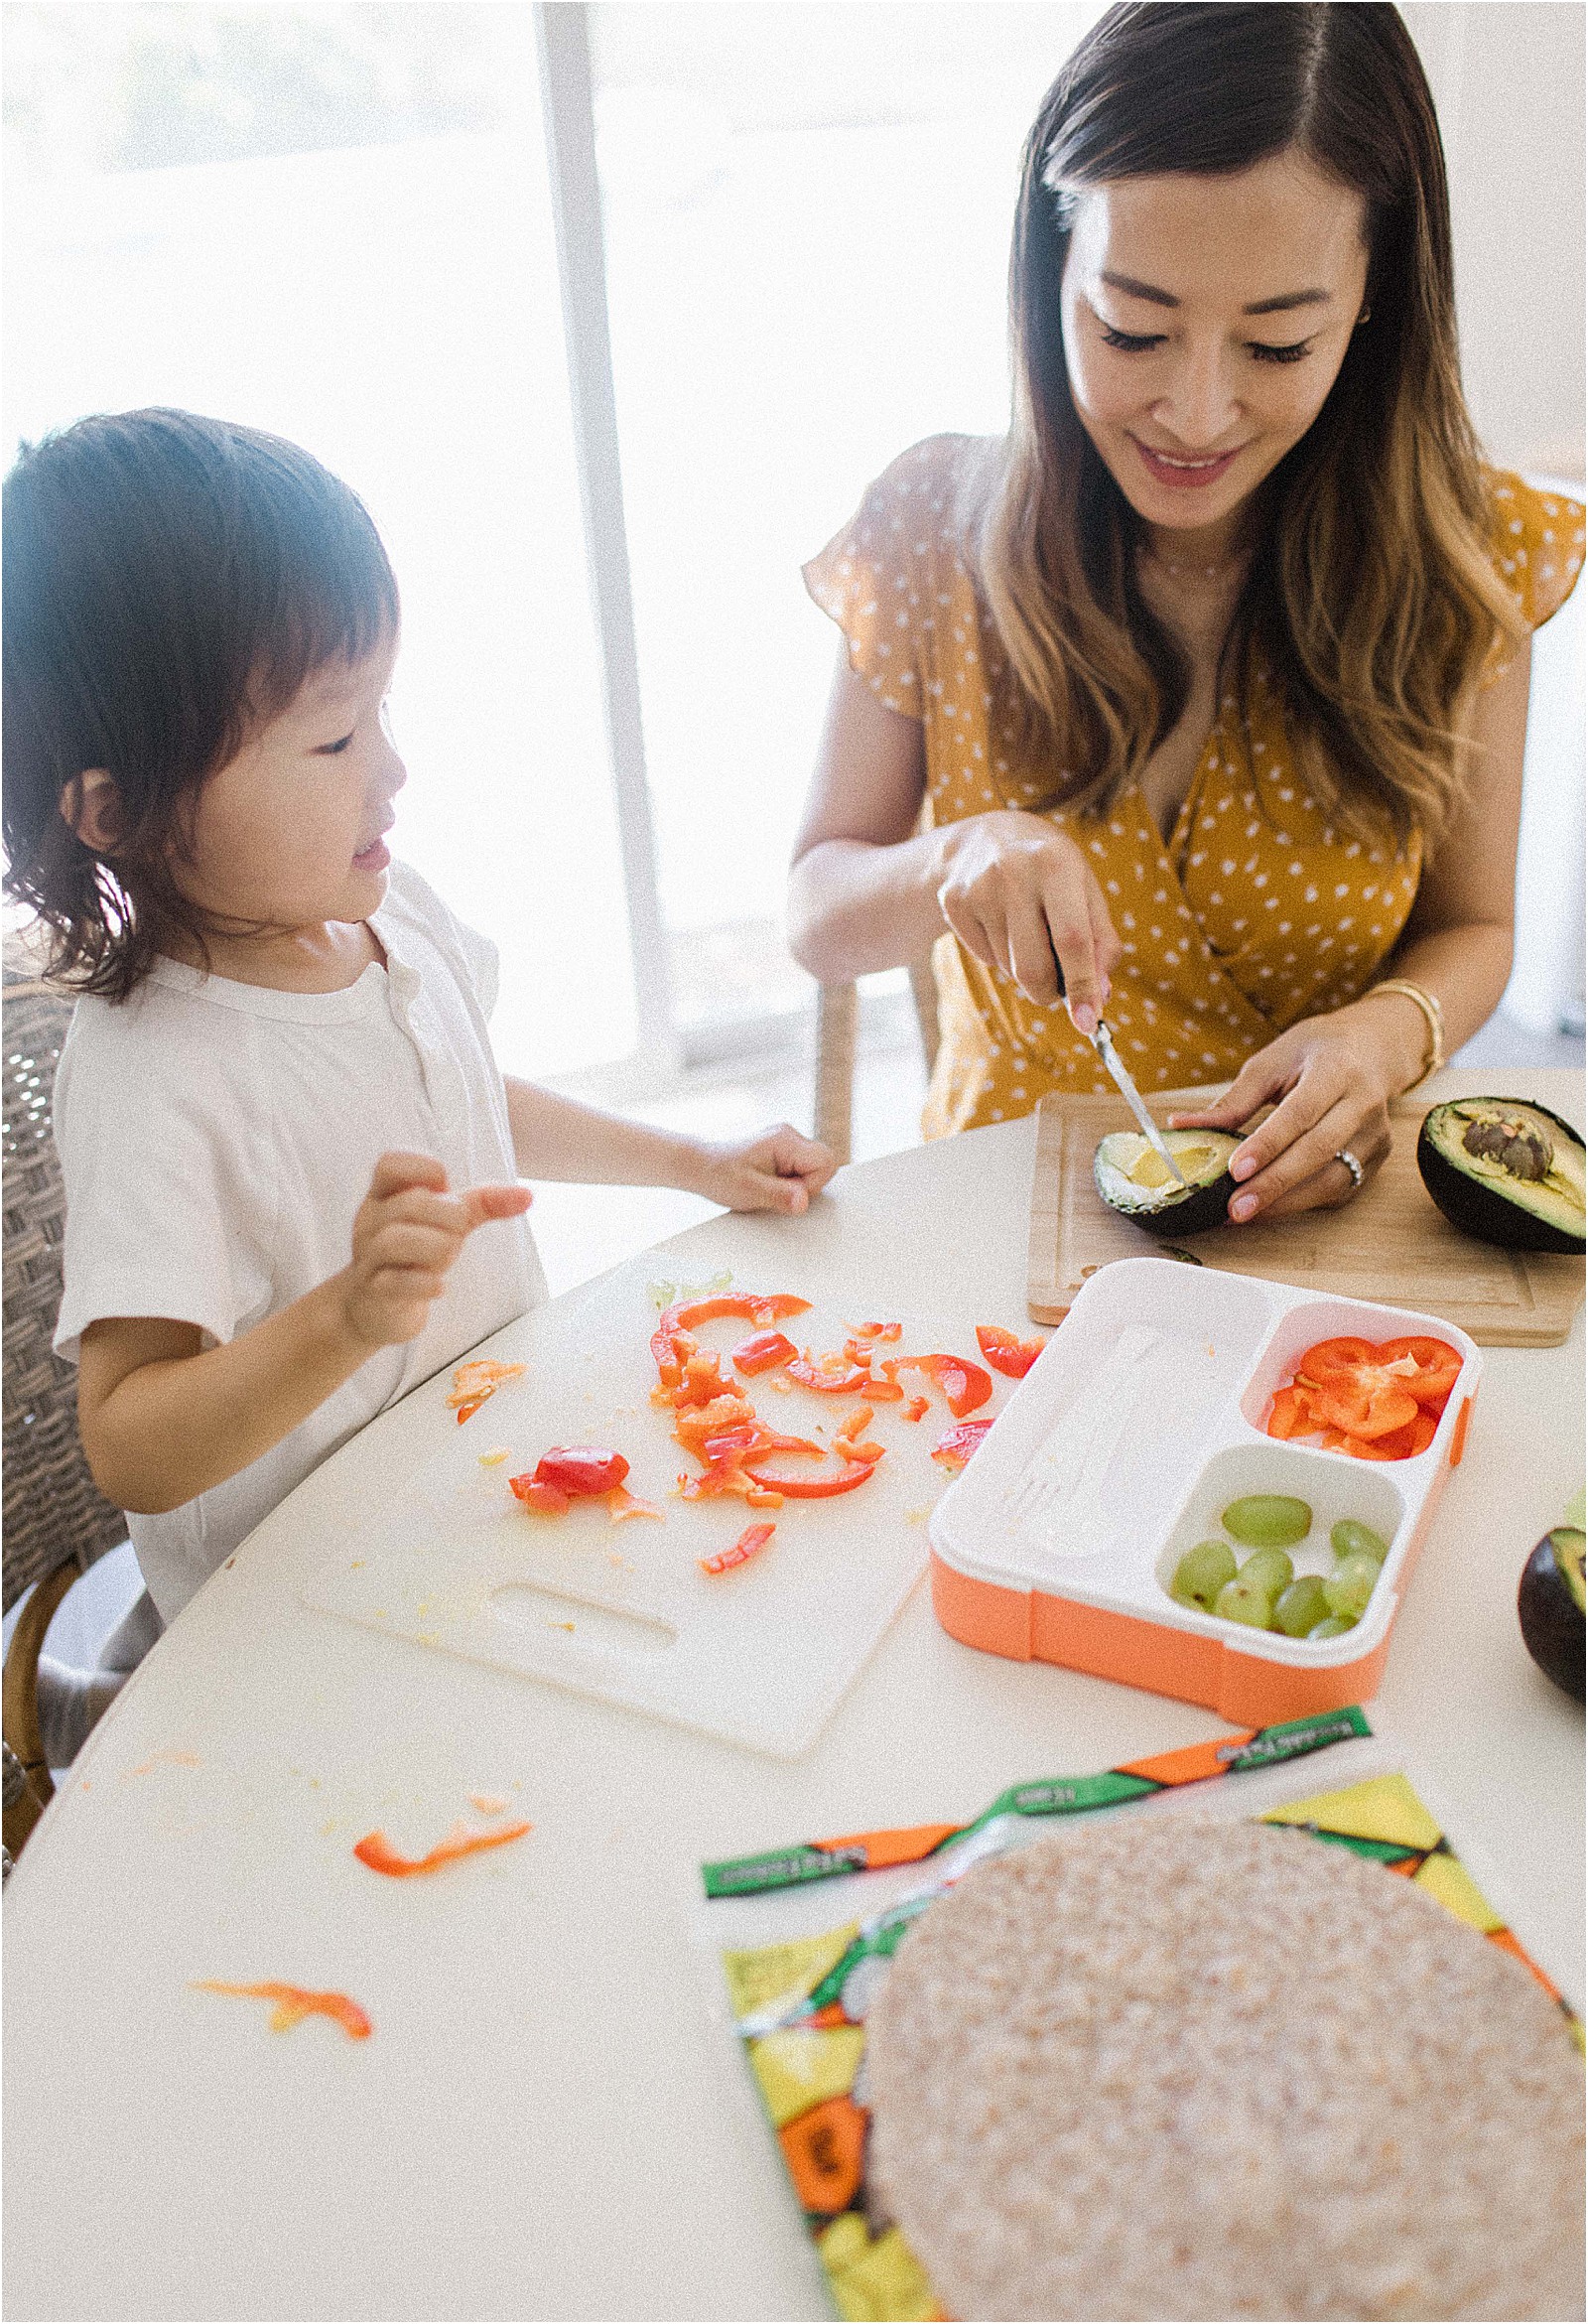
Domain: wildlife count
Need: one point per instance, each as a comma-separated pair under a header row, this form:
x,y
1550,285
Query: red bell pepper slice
x,y
376,1851
582,1471
294,2003
763,1351
543,1500
1005,1352
687,1313
830,1375
1437,1365
1290,1415
1346,1355
955,1449
1403,1445
695,1423
965,1385
813,1488
730,1477
917,1407
754,1538
624,1504
1366,1405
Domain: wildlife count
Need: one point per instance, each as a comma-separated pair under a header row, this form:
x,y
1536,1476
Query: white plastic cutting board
x,y
760,1655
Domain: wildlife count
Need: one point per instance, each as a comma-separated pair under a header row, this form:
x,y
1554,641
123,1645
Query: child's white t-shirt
x,y
216,1140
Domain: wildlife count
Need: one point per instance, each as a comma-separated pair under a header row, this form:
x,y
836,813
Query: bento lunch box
x,y
1138,1426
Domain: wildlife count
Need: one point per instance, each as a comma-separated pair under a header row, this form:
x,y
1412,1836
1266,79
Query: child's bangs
x,y
334,601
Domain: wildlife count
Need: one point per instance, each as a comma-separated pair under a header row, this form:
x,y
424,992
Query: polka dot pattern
x,y
1254,912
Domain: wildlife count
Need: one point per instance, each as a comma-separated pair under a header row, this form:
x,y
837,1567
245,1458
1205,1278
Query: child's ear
x,y
91,805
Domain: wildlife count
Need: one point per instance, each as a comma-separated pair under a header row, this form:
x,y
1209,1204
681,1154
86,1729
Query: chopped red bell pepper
x,y
830,1375
695,1423
754,1538
955,1449
1436,1363
763,1351
582,1471
1005,1352
877,1331
848,1445
376,1851
687,1313
1365,1405
294,2003
965,1385
1290,1415
473,1382
917,1408
544,1500
813,1488
731,1478
624,1504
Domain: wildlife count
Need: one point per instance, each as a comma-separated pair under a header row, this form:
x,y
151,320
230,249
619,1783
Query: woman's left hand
x,y
1330,1080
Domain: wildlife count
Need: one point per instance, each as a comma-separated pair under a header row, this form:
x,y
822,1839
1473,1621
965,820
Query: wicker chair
x,y
57,1523
837,1012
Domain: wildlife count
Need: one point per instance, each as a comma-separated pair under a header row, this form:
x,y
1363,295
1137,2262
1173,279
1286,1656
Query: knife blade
x,y
1103,1042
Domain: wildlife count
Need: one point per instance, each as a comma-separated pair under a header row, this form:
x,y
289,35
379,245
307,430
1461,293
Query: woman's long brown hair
x,y
1373,599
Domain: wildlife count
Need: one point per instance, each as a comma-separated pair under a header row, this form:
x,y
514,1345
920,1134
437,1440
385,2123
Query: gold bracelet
x,y
1434,1014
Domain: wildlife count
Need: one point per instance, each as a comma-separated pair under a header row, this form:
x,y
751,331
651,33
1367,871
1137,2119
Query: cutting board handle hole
x,y
581,1621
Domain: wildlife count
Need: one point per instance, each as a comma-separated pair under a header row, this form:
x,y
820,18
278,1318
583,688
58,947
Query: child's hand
x,y
779,1171
408,1232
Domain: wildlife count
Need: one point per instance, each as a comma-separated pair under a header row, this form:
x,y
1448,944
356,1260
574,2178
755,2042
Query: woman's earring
x,y
1363,317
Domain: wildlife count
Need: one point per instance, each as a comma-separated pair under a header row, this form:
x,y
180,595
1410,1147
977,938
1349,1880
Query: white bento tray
x,y
1138,1425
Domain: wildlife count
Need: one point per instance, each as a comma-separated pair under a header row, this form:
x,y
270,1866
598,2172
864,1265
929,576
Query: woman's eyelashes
x,y
1131,343
329,750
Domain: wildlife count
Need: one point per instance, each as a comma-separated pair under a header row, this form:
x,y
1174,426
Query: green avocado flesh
x,y
1549,1606
1132,1179
1505,1170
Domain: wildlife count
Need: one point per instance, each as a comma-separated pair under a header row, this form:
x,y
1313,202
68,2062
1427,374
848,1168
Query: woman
x,y
1211,678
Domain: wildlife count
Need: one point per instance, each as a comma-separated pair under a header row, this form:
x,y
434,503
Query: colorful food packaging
x,y
802,1938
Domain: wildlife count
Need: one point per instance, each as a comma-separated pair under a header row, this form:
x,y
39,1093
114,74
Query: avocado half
x,y
1505,1170
1132,1180
1549,1606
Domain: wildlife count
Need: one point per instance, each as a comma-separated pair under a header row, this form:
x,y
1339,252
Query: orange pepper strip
x,y
294,2003
754,1538
624,1504
376,1851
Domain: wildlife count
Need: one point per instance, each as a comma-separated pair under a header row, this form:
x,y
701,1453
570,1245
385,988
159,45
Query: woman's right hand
x,y
1021,895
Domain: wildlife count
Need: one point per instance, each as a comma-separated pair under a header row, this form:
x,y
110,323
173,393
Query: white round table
x,y
548,2121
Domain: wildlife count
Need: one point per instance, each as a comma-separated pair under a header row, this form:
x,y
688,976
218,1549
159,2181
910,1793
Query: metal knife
x,y
1126,1088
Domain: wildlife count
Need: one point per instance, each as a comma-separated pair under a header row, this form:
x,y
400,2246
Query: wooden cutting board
x,y
1391,1244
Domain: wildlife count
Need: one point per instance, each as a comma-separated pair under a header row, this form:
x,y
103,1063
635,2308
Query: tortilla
x,y
1186,2069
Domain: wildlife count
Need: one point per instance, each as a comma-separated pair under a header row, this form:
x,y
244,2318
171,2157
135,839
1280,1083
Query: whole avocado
x,y
1549,1606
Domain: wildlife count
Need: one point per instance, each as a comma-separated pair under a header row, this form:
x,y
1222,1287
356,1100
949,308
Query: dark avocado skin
x,y
1205,1206
1553,1625
1480,1209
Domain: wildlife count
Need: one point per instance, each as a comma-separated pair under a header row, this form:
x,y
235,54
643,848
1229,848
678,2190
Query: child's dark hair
x,y
169,581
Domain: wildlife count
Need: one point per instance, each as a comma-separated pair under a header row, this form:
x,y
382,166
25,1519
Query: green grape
x,y
1271,1570
1245,1601
1202,1573
1352,1540
1268,1521
1302,1606
1332,1626
1349,1588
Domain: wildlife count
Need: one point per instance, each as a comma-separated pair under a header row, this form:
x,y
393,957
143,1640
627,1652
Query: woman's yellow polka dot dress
x,y
1253,913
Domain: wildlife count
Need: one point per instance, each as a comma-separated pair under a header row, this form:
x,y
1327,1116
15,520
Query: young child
x,y
290,1157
